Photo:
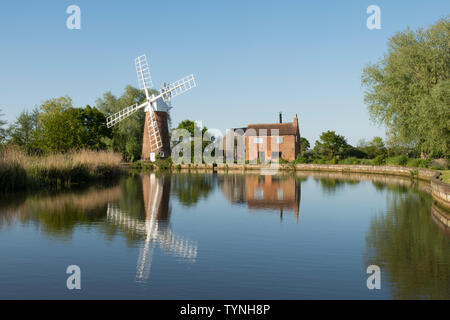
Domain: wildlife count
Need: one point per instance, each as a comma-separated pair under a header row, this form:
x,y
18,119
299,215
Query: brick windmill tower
x,y
156,139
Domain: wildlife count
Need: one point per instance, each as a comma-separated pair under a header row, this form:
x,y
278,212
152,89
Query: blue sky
x,y
251,59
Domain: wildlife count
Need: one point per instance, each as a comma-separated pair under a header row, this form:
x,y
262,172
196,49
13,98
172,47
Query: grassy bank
x,y
446,176
19,171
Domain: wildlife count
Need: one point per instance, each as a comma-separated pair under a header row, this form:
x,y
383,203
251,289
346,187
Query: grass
x,y
21,171
445,176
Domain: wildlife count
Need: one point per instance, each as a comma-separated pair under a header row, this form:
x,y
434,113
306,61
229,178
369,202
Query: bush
x,y
301,160
351,160
419,163
379,160
399,160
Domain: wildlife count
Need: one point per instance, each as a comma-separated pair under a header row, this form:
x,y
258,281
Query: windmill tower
x,y
156,139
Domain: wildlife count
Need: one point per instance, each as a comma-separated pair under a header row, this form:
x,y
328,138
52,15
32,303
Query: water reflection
x,y
392,225
409,247
155,228
278,193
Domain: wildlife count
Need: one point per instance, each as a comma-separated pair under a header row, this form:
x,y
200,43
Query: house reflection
x,y
278,193
156,228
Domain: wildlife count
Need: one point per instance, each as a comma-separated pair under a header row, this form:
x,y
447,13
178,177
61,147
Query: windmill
x,y
156,139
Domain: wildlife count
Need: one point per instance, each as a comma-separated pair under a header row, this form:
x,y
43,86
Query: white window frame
x,y
279,140
258,140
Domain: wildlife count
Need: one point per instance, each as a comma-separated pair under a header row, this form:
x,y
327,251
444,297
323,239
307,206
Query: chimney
x,y
281,117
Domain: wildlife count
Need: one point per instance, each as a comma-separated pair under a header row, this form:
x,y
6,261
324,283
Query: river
x,y
226,236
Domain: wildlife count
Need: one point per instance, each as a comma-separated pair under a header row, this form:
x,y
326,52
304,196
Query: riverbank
x,y
19,171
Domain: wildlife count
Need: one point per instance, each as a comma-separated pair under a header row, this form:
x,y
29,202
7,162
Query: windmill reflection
x,y
156,228
270,192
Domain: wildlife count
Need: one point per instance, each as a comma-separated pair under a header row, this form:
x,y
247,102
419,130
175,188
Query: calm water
x,y
226,236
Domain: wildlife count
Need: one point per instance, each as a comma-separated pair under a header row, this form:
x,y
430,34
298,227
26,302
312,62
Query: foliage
x,y
304,145
373,148
409,89
420,163
59,129
95,131
126,136
331,145
3,132
379,160
23,131
398,160
445,176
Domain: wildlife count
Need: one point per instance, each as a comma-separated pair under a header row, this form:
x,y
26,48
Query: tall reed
x,y
19,170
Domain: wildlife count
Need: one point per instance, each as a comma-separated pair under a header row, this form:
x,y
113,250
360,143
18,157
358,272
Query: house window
x,y
280,194
258,194
257,140
279,140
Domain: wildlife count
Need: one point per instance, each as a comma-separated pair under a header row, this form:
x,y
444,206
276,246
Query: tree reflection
x,y
190,188
409,247
331,185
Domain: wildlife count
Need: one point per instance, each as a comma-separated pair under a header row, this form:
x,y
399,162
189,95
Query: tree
x,y
373,148
191,126
59,126
304,145
126,136
409,89
3,132
95,132
23,132
331,145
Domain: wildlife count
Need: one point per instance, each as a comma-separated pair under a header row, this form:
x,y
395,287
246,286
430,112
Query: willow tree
x,y
408,90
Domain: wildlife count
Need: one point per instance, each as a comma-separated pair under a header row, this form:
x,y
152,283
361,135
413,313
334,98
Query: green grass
x,y
445,176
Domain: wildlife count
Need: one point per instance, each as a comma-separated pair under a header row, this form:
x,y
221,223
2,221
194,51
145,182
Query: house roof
x,y
284,129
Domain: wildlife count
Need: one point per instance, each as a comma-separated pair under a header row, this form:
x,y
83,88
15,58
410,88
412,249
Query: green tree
x,y
95,132
304,145
190,126
23,132
3,132
59,127
126,136
375,147
331,145
409,89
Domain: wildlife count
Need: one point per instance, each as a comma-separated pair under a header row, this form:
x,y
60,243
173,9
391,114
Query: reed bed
x,y
21,171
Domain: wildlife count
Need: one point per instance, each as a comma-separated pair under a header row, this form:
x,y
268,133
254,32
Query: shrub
x,y
301,160
379,160
420,163
351,160
401,160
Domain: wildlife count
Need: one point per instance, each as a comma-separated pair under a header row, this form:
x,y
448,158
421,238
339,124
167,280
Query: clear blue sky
x,y
251,59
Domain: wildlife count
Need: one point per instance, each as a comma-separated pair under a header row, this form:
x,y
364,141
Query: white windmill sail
x,y
152,102
178,87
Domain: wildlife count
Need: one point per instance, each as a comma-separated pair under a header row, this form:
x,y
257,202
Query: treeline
x,y
332,148
56,126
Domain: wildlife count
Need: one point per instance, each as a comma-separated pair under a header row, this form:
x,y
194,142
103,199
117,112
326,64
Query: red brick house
x,y
264,144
